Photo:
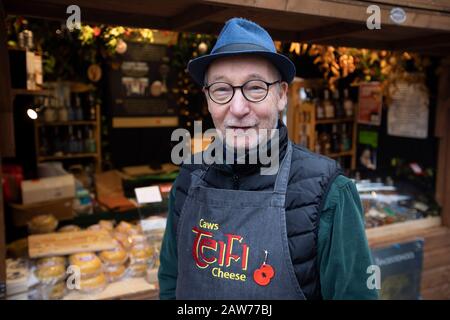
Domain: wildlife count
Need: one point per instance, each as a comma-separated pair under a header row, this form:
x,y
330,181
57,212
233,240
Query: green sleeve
x,y
343,251
168,268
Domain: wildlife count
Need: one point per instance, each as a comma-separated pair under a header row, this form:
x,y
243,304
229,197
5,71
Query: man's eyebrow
x,y
255,76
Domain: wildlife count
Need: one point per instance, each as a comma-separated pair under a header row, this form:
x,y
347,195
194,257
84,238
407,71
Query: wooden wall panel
x,y
7,147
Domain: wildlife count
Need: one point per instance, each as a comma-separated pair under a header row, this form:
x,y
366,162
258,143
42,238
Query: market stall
x,y
426,31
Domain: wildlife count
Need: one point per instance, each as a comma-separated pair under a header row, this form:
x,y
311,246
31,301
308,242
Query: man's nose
x,y
239,106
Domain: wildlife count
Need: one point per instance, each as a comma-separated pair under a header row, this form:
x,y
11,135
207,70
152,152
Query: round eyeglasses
x,y
252,90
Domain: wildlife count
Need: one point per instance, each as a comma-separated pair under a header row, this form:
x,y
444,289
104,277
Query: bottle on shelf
x,y
70,111
325,142
345,139
44,148
320,111
338,106
79,142
317,148
90,146
63,113
348,104
328,105
72,143
58,145
335,143
78,111
49,111
92,107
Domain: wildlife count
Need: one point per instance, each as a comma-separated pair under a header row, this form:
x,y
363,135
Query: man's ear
x,y
283,96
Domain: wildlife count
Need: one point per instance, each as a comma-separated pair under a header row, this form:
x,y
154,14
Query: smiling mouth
x,y
240,129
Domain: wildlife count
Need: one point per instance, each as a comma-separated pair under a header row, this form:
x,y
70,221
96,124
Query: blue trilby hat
x,y
240,36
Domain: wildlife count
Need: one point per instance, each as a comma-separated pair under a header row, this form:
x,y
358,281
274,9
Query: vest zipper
x,y
235,182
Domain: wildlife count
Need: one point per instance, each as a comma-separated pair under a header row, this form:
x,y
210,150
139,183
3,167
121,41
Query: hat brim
x,y
198,66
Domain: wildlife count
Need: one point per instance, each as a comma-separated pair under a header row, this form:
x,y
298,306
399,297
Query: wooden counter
x,y
126,289
435,282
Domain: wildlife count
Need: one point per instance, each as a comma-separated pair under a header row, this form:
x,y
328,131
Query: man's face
x,y
241,119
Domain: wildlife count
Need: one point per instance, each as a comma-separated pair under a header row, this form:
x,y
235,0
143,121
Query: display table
x,y
436,260
126,289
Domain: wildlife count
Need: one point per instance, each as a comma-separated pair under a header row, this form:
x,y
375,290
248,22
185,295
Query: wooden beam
x,y
426,42
442,132
53,11
348,10
5,103
194,15
446,188
330,31
2,239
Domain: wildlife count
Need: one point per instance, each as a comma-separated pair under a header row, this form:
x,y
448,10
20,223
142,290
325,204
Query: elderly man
x,y
234,233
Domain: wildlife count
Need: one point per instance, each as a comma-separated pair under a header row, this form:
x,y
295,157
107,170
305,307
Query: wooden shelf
x,y
303,125
16,92
328,121
71,156
67,123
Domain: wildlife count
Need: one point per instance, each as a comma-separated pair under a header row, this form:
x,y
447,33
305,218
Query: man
x,y
234,233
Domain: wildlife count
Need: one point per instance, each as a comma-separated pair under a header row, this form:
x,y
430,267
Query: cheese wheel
x,y
106,224
56,291
124,227
116,256
123,239
136,229
50,261
137,239
89,264
69,228
44,223
141,252
94,284
114,273
51,274
137,269
95,227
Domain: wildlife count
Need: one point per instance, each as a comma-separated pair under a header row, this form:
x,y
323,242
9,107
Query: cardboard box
x,y
47,189
62,209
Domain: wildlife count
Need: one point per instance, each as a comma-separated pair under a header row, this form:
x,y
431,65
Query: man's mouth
x,y
239,129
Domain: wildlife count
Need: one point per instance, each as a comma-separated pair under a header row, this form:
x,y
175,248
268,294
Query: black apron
x,y
232,244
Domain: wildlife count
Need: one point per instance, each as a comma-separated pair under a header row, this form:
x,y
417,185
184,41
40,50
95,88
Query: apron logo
x,y
208,251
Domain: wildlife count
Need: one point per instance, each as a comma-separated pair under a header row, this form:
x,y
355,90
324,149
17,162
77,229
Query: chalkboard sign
x,y
401,269
140,83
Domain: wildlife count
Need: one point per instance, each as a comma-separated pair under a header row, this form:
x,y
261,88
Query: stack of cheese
x,y
51,273
140,254
139,251
92,278
114,262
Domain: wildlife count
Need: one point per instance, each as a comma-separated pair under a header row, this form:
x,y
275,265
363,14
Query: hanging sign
x,y
370,103
408,110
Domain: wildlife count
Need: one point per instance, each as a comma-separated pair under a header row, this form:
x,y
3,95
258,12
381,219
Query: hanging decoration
x,y
188,94
90,45
121,47
94,72
364,64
